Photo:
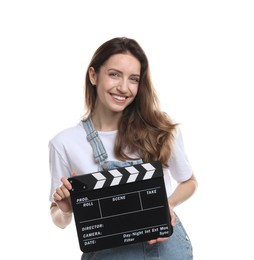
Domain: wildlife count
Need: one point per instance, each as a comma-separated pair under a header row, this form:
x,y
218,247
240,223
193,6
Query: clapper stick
x,y
120,206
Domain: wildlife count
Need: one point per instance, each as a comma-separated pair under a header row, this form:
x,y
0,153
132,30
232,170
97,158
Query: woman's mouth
x,y
119,98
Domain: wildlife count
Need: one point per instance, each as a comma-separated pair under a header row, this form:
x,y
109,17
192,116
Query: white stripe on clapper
x,y
150,171
134,173
100,180
117,177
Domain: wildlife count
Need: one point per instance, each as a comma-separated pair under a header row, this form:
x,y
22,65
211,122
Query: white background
x,y
202,62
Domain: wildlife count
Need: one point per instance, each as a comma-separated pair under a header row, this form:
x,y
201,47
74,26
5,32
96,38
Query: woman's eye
x,y
113,74
135,79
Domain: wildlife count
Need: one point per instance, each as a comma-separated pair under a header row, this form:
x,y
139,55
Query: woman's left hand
x,y
173,223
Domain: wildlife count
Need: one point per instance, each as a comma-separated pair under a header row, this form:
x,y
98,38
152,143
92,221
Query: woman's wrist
x,y
65,213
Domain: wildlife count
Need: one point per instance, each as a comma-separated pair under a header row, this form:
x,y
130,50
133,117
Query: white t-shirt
x,y
69,151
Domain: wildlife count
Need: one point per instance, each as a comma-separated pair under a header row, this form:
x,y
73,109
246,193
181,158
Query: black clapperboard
x,y
120,206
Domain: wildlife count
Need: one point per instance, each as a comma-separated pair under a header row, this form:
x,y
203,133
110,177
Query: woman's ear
x,y
92,76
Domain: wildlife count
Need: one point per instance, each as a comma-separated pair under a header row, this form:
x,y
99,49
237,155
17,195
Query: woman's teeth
x,y
119,97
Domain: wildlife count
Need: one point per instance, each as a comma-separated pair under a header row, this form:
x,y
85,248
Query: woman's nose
x,y
123,86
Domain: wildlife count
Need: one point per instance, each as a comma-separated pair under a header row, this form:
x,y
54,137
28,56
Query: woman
x,y
122,107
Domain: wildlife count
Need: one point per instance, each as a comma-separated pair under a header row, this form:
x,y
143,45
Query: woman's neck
x,y
105,123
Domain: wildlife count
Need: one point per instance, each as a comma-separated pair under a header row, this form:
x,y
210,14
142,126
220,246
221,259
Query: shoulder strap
x,y
100,154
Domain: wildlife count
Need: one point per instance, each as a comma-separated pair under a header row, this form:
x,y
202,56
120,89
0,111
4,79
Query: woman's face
x,y
117,82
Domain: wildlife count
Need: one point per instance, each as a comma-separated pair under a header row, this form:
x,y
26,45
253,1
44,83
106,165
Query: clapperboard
x,y
120,207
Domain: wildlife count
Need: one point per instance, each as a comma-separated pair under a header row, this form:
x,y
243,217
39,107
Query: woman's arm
x,y
60,218
183,191
61,209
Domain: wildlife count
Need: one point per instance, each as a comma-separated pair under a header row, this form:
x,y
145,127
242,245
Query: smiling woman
x,y
123,126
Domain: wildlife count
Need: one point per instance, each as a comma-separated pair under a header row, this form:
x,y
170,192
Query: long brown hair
x,y
143,130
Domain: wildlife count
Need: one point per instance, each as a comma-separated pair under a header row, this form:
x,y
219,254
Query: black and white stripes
x,y
123,175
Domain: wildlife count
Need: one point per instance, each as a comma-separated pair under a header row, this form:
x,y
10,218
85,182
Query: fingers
x,y
66,183
62,192
74,174
162,239
153,241
158,240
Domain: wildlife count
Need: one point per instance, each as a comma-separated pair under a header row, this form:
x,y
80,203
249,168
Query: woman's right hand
x,y
62,195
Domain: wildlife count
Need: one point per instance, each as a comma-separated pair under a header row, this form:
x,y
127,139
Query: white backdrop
x,y
202,63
